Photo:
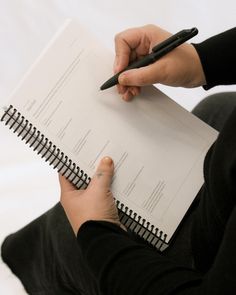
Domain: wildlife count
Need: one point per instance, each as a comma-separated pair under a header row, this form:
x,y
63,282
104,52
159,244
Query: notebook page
x,y
157,146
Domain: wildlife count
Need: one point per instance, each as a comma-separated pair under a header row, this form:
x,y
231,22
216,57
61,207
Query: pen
x,y
157,52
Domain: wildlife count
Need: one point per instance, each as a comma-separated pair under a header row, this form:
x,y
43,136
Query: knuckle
x,y
150,27
165,71
118,37
101,171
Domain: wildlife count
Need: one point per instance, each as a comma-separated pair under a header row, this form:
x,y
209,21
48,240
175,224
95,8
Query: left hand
x,y
94,203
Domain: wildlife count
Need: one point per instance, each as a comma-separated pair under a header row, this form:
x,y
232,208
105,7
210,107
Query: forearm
x,y
123,266
218,58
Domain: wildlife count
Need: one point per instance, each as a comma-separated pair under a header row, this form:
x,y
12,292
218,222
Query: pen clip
x,y
183,35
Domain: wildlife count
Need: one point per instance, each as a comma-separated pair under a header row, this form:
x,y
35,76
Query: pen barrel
x,y
145,61
157,55
137,64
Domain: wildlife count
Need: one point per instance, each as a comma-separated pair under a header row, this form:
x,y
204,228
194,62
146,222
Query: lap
x,y
216,198
213,110
216,109
46,257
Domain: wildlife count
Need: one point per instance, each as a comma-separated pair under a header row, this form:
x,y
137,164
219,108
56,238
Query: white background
x,y
28,186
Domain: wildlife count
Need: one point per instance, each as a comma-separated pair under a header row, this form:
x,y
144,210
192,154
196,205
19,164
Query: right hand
x,y
180,67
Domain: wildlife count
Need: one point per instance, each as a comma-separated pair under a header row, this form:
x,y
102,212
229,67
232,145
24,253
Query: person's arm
x,y
218,58
123,266
120,264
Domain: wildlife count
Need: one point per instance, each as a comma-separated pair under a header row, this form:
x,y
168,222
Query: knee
x,y
216,108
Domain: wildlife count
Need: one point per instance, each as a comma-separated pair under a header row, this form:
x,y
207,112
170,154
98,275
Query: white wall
x,y
28,186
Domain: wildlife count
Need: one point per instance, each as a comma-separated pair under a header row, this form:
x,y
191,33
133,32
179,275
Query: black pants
x,y
46,257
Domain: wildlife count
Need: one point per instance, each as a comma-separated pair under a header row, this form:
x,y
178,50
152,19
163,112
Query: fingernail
x,y
107,161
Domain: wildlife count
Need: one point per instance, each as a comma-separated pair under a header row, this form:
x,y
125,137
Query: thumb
x,y
141,76
103,175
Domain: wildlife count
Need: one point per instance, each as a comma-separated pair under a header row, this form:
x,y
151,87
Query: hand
x,y
180,67
94,203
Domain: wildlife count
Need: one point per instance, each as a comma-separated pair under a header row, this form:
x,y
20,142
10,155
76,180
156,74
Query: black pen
x,y
157,52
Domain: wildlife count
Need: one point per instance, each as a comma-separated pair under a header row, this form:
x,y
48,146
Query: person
x,y
105,258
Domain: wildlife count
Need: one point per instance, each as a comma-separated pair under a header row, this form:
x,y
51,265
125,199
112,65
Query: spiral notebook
x,y
157,146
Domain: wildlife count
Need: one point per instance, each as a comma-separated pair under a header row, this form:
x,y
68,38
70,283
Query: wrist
x,y
101,223
117,224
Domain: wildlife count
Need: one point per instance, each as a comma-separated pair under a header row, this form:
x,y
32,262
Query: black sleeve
x,y
124,266
218,58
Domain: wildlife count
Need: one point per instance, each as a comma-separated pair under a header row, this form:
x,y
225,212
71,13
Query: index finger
x,y
125,43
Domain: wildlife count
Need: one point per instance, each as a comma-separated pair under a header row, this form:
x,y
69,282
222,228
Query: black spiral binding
x,y
140,227
44,147
40,143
